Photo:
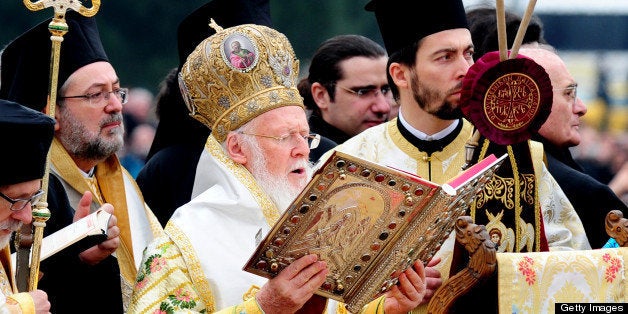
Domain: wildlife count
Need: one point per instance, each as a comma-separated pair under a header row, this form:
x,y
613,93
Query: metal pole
x,y
58,27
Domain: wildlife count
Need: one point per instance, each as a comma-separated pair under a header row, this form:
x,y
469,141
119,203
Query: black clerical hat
x,y
404,22
25,62
227,13
25,135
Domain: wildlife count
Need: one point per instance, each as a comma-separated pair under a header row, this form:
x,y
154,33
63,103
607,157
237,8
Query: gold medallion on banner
x,y
512,101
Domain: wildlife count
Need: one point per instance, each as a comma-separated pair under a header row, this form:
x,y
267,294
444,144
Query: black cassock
x,y
591,199
73,286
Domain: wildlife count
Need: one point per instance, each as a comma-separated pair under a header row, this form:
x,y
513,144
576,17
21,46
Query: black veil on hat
x,y
25,62
194,28
26,135
403,22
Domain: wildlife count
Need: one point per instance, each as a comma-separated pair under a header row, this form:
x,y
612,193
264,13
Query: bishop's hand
x,y
99,252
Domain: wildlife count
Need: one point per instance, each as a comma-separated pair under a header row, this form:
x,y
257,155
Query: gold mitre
x,y
238,74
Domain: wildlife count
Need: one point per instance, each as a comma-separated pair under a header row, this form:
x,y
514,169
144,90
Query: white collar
x,y
89,174
425,137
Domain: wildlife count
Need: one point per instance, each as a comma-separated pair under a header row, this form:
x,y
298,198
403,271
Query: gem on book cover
x,y
375,246
274,267
304,209
392,182
295,219
365,173
352,168
410,251
379,177
261,264
340,163
326,285
408,201
339,289
383,236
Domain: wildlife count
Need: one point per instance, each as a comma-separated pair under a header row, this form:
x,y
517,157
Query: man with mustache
x,y
29,133
255,162
88,133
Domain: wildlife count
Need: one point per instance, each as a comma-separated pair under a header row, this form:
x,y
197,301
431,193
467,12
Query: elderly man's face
x,y
11,220
88,129
284,160
562,126
283,155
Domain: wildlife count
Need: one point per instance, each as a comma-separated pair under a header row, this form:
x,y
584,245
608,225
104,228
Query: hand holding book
x,y
97,233
99,251
369,223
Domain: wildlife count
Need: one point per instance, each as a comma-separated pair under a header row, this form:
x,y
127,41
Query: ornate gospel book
x,y
368,222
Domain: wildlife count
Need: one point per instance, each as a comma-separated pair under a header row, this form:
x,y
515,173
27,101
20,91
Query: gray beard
x,y
78,141
9,224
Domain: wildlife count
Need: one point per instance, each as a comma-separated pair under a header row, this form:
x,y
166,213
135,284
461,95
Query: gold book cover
x,y
368,222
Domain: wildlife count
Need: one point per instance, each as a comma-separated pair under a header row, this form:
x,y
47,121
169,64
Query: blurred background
x,y
591,36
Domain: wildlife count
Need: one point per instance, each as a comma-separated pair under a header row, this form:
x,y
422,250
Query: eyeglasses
x,y
312,139
99,99
367,92
20,203
571,92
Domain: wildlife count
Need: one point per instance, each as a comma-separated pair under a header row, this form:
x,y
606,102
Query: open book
x,y
86,232
369,223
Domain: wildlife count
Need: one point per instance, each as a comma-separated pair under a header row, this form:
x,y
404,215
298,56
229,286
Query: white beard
x,y
278,188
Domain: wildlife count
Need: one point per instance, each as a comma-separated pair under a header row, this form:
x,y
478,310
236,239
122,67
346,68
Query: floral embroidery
x,y
157,264
141,281
182,296
525,267
614,266
180,300
153,264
